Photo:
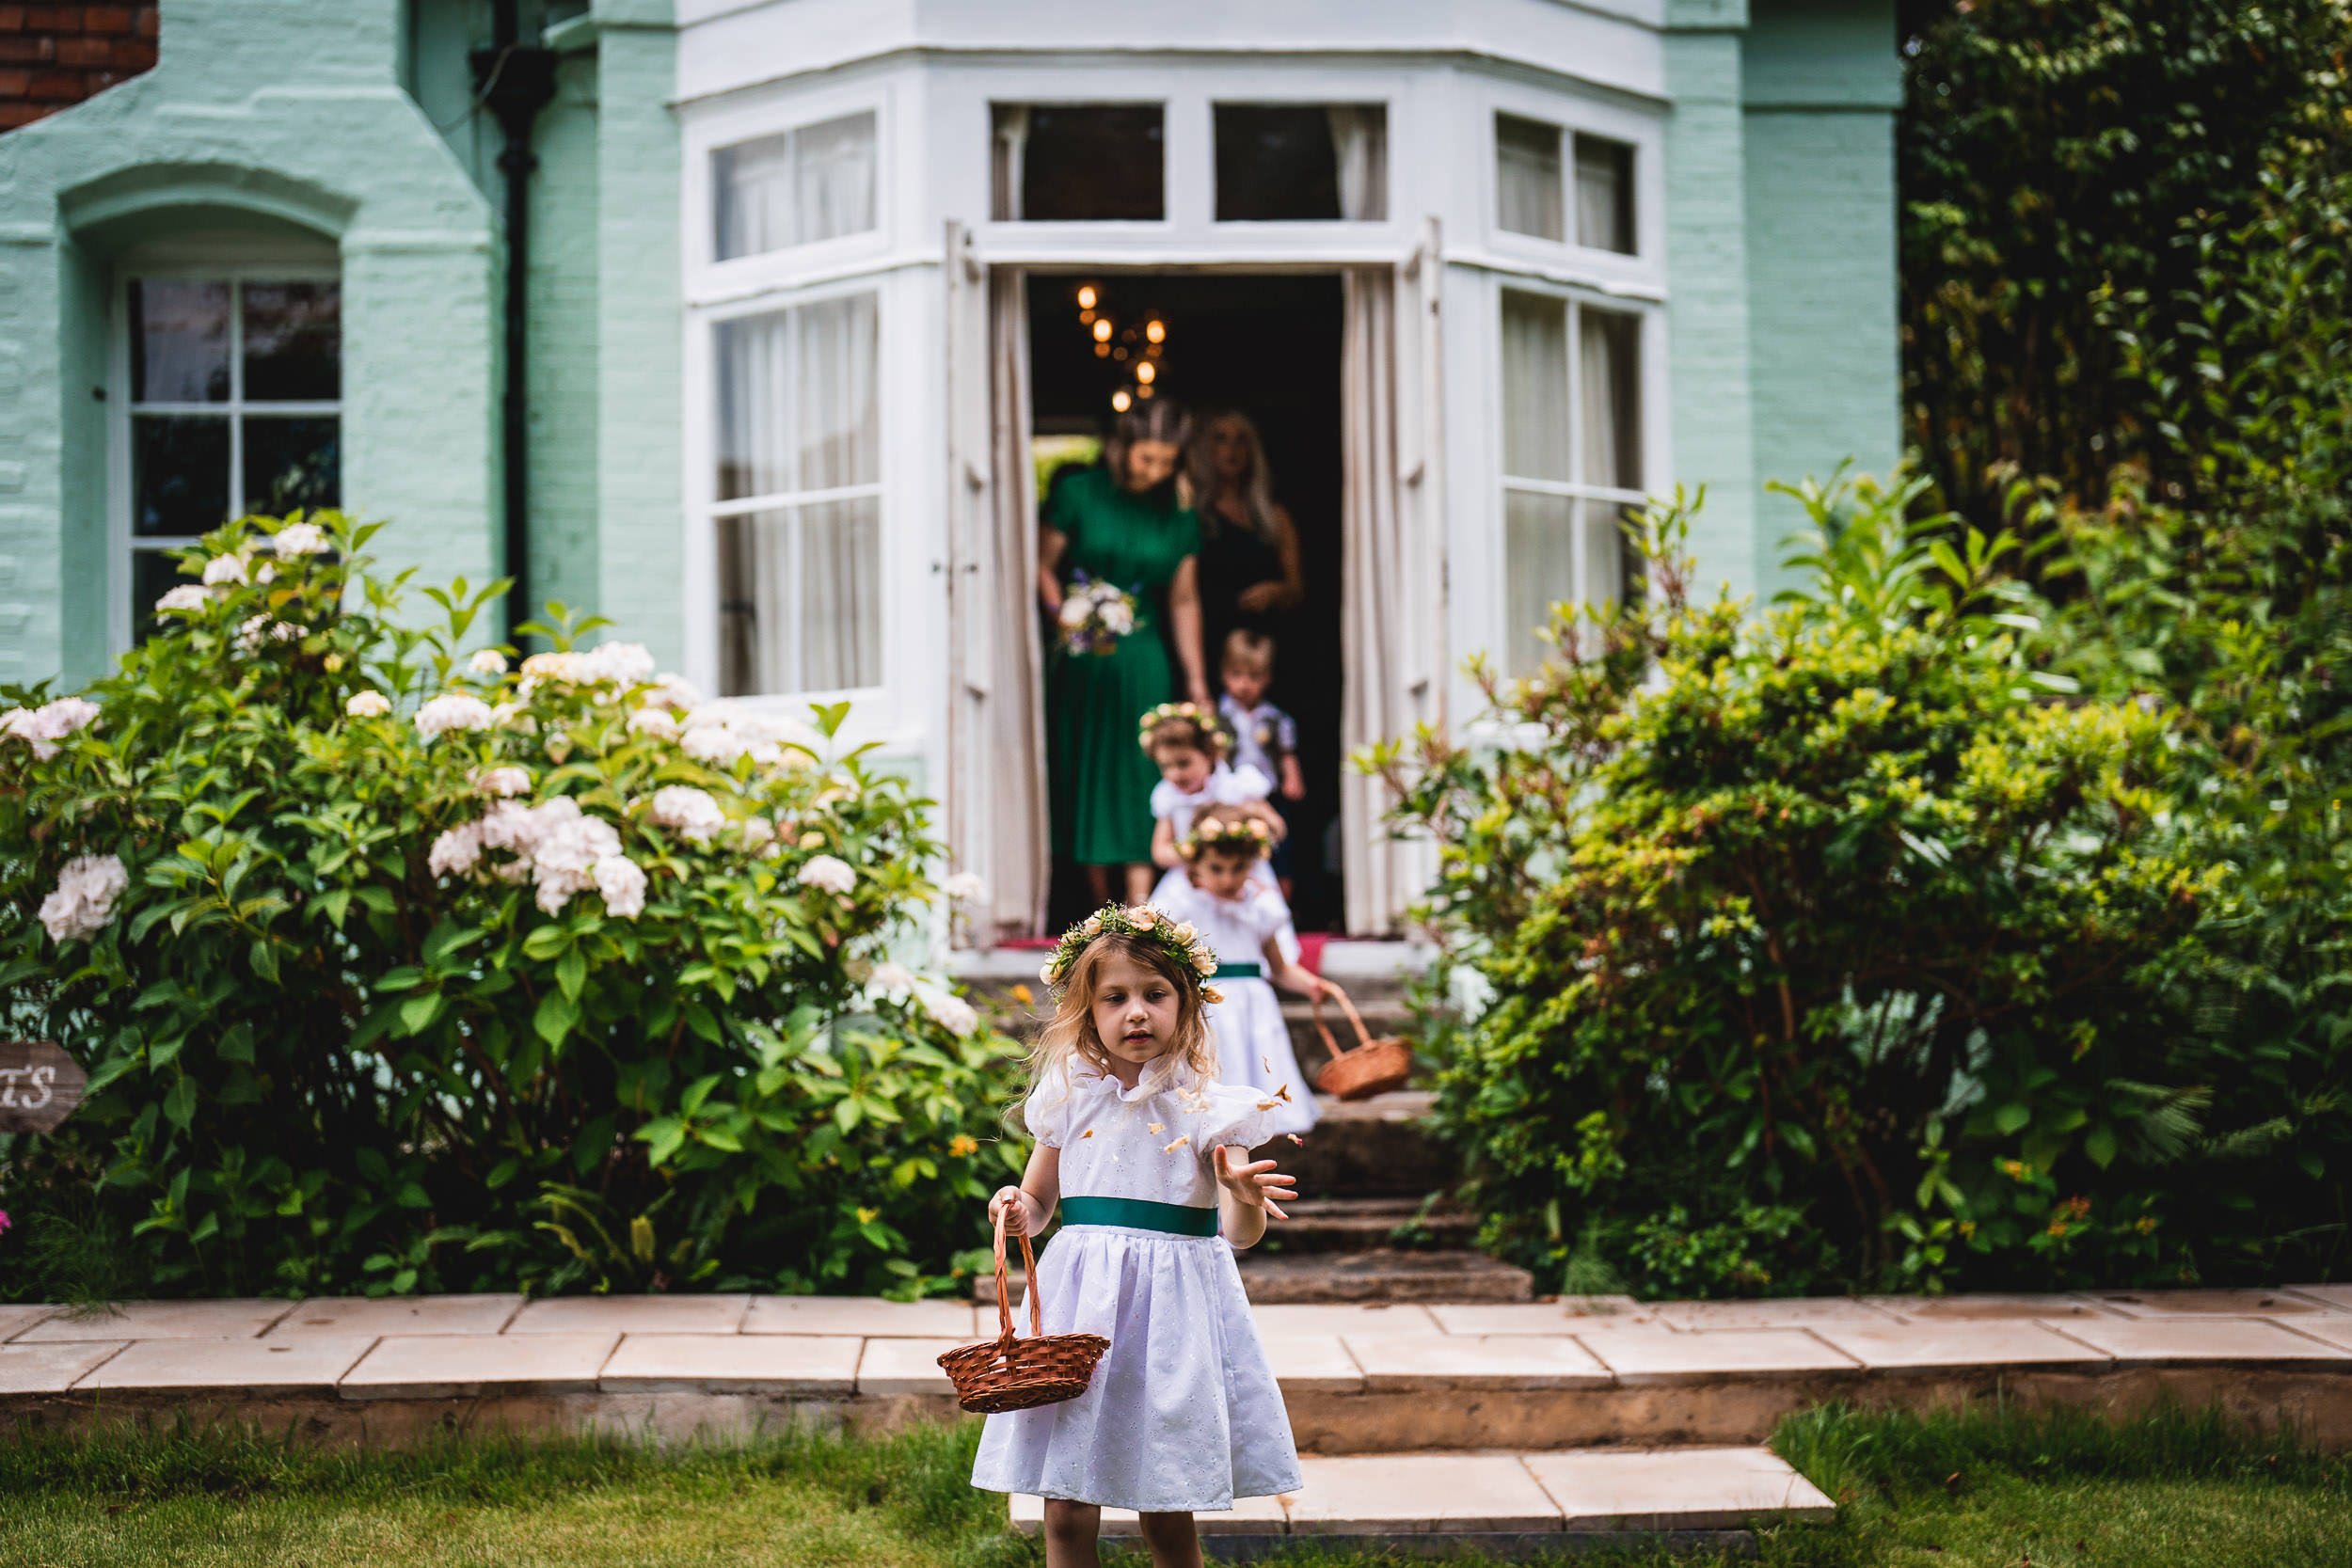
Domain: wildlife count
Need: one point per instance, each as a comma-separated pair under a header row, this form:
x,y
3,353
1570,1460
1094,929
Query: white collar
x,y
1161,1074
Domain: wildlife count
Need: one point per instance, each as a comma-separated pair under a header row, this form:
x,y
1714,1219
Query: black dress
x,y
1233,558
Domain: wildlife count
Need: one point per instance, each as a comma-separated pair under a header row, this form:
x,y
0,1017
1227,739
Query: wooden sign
x,y
40,1085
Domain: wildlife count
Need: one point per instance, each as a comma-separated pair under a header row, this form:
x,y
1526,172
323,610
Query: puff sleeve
x,y
1046,1113
1236,1115
1242,786
1165,801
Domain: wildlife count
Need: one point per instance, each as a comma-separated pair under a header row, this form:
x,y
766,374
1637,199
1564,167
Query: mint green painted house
x,y
804,282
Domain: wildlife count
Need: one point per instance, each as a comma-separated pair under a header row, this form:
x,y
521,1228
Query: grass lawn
x,y
1989,1489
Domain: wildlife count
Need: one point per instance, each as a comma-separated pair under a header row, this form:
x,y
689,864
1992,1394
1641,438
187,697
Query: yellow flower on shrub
x,y
964,1144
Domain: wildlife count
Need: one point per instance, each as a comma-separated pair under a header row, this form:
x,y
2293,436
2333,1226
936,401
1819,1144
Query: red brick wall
x,y
54,56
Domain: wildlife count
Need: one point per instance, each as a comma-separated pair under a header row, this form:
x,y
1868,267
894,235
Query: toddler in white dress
x,y
1146,1156
1188,744
1244,921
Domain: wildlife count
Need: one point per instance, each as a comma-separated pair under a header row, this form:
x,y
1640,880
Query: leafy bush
x,y
1818,946
396,970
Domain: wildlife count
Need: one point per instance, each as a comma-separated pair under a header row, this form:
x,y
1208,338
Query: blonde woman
x,y
1249,565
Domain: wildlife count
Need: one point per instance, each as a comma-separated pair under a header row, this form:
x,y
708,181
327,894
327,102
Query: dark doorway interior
x,y
1268,345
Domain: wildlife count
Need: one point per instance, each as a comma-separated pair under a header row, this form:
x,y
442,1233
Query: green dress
x,y
1102,779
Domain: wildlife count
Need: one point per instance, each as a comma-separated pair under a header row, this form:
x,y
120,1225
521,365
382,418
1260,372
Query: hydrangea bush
x,y
398,968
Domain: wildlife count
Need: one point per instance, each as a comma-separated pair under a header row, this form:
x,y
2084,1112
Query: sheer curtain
x,y
1539,535
1021,844
1359,143
1527,177
1604,207
1609,409
1009,151
799,583
1376,566
796,187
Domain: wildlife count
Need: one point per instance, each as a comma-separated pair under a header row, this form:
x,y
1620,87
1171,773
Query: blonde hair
x,y
1189,732
1249,652
1070,1033
1256,485
1205,839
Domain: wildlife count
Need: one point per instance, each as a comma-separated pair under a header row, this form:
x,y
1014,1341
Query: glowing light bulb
x,y
1120,402
1145,372
1087,297
1101,351
1086,318
1102,331
1119,354
1143,392
1156,331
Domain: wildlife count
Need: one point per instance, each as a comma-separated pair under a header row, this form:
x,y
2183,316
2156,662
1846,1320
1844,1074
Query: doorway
x,y
1267,345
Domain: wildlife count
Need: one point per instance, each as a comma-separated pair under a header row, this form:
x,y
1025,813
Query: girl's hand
x,y
1259,597
1255,1183
1014,1205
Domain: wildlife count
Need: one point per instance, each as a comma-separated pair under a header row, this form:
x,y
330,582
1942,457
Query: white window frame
x,y
711,280
123,540
1643,274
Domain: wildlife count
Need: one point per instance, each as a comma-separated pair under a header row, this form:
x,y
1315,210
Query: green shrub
x,y
396,970
1813,948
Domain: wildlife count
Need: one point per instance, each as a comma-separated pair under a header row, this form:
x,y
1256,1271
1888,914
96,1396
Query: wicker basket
x,y
1373,1066
1009,1373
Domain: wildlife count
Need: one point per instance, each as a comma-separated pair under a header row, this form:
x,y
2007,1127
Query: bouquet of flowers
x,y
1095,616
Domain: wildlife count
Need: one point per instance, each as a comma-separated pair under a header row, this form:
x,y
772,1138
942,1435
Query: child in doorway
x,y
1243,921
1189,745
1148,1157
1265,737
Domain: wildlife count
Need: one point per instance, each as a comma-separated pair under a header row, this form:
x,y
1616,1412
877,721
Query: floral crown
x,y
1248,836
1180,942
1210,722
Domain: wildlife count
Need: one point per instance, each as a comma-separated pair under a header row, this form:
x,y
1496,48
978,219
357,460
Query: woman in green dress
x,y
1119,523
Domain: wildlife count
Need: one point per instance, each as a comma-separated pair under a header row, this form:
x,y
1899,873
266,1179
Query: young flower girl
x,y
1243,920
1148,1157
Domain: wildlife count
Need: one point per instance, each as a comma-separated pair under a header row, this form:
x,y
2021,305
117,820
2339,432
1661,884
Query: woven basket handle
x,y
1004,1286
1364,1036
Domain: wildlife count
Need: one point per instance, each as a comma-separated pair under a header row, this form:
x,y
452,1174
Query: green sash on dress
x,y
1138,1213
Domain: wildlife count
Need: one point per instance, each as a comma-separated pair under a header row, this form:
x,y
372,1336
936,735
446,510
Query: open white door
x,y
996,806
1392,545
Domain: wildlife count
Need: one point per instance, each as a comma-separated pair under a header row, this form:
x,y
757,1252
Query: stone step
x,y
1357,1224
1507,1505
1383,1274
1376,1147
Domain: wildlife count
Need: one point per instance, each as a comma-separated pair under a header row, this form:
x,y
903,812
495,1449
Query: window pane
x,y
152,575
797,404
1527,176
1290,163
752,195
1084,162
800,600
178,473
1607,560
179,342
1604,194
796,187
293,342
1534,386
835,165
1539,567
1609,378
292,462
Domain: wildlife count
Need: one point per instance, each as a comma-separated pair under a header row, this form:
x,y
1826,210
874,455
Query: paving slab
x,y
51,1369
1674,1488
379,1316
1420,1493
1405,1363
1784,1313
160,1320
2156,1341
1540,1317
733,1364
458,1366
1343,1317
232,1368
1312,1364
2332,1328
1953,1347
1249,1516
16,1319
633,1315
905,1366
1658,1356
2336,1298
868,1317
2203,1304
1989,1308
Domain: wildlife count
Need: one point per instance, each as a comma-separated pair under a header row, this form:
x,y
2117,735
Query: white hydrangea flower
x,y
892,979
622,882
952,1013
758,832
626,663
85,899
487,661
224,568
555,845
964,887
506,713
186,595
692,812
42,727
829,872
675,693
563,668
300,539
654,721
455,851
507,781
252,632
454,710
1074,610
367,705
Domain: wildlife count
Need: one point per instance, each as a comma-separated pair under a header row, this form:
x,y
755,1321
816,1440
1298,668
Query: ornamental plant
x,y
398,968
1816,949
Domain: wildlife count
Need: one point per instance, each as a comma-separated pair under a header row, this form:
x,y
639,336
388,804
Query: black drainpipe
x,y
514,83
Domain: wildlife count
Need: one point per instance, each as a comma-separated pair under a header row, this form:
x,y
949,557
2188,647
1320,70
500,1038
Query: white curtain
x,y
1359,142
800,584
1021,848
1608,408
1603,168
795,187
1538,529
1011,143
1527,176
835,178
1376,566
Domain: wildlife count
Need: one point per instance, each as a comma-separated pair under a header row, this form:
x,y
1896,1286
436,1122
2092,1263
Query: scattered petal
x,y
1088,1133
1158,1128
1177,1145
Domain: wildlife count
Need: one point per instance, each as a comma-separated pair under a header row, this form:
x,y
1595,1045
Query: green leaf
x,y
2099,1144
180,1103
419,1011
571,972
557,1017
2011,1118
